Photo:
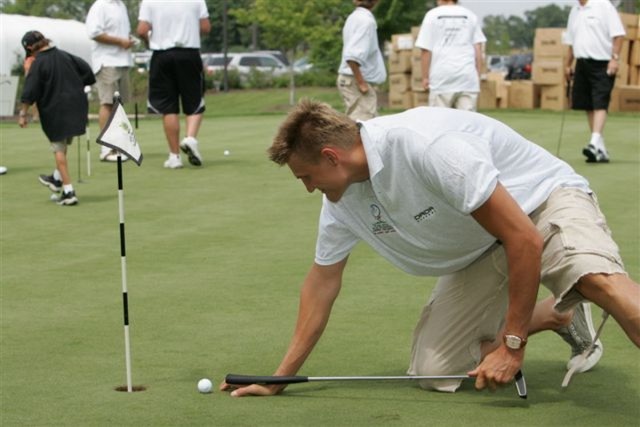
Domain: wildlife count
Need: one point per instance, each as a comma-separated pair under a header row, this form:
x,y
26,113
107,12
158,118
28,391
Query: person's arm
x,y
118,41
143,30
205,26
357,74
319,291
426,66
568,69
614,62
23,118
501,216
478,51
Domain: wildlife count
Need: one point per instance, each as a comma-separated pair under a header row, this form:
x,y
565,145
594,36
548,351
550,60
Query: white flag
x,y
118,134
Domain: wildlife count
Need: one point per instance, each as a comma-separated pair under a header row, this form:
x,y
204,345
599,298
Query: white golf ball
x,y
205,385
227,152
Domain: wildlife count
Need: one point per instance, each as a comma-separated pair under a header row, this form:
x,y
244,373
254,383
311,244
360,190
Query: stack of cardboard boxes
x,y
405,75
626,92
549,59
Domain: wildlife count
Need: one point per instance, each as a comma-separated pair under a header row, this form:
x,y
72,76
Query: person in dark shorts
x,y
55,83
594,35
172,30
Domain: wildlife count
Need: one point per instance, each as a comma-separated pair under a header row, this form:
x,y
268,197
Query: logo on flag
x,y
118,135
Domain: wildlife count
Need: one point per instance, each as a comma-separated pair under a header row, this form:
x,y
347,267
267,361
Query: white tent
x,y
66,34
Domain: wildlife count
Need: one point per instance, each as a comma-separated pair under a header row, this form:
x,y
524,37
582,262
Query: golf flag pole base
x,y
118,135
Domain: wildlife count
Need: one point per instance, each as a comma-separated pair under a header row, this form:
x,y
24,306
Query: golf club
x,y
583,356
234,379
564,111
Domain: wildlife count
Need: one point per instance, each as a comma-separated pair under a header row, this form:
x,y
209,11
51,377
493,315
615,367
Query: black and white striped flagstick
x,y
123,263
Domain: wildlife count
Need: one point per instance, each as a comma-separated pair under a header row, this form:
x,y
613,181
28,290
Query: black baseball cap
x,y
30,38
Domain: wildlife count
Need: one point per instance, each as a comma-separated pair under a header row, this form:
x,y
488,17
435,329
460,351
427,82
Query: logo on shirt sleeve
x,y
379,226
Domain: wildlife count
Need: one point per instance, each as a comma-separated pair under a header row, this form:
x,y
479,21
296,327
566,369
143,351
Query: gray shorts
x,y
469,306
111,79
60,146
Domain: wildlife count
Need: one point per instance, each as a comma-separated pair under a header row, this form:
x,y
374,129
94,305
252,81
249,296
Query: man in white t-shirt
x,y
451,40
458,195
362,65
594,33
172,29
108,26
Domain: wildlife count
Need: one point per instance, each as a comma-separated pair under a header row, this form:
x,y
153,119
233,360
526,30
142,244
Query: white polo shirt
x,y
429,169
173,23
450,33
360,44
591,29
108,17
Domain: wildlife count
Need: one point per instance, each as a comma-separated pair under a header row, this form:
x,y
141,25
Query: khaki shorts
x,y
467,101
111,79
468,307
60,146
359,106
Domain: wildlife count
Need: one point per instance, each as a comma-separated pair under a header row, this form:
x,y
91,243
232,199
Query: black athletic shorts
x,y
591,85
175,76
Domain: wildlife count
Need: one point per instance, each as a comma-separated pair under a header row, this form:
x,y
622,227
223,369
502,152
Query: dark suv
x,y
519,66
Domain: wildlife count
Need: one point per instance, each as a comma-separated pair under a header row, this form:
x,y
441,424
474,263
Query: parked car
x,y
302,65
278,54
519,67
498,63
244,63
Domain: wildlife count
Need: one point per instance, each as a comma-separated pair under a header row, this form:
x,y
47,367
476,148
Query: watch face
x,y
513,341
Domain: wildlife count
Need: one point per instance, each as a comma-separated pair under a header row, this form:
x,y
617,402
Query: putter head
x,y
521,385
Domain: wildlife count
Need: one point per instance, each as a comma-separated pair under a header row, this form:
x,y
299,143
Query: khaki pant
x,y
110,80
467,101
359,106
469,306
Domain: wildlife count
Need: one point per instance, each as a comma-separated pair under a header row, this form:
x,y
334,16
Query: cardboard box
x,y
622,76
548,42
487,99
634,75
420,99
400,101
625,52
634,53
614,101
524,94
548,70
630,22
415,31
416,83
400,61
402,41
554,97
399,82
629,98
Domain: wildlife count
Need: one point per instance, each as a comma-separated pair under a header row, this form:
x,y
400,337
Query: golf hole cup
x,y
205,385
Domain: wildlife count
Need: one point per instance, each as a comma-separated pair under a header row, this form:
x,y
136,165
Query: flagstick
x,y
79,163
88,150
123,264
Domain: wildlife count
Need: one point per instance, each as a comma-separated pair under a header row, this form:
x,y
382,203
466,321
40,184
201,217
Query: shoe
x,y
49,181
579,335
68,199
189,146
112,156
595,155
173,163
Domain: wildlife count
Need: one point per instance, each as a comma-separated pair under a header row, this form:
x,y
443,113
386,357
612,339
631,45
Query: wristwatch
x,y
615,56
514,342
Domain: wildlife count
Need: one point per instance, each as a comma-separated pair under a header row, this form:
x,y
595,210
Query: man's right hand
x,y
252,390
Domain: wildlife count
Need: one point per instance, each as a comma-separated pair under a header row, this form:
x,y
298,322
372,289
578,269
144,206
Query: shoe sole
x,y
49,185
68,202
597,351
194,159
591,157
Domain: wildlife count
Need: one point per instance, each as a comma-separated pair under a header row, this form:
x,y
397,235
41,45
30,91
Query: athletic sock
x,y
56,175
67,188
173,156
597,141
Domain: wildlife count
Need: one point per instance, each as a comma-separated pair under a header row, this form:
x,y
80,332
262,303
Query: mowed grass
x,y
216,256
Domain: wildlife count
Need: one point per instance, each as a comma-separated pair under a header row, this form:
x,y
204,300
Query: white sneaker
x,y
173,163
189,146
579,335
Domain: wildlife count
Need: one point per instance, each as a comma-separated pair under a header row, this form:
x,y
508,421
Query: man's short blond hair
x,y
310,127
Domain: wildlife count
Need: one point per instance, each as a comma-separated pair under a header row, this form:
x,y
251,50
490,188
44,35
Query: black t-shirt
x,y
56,82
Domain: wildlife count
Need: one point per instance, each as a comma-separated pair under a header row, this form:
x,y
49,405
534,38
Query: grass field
x,y
215,259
